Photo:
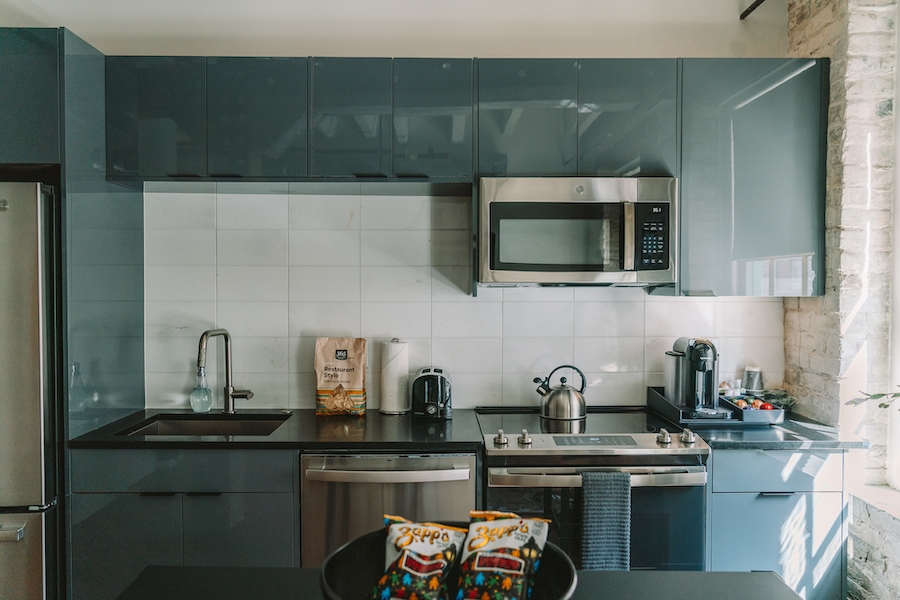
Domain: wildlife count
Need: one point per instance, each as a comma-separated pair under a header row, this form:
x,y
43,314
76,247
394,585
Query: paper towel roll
x,y
394,377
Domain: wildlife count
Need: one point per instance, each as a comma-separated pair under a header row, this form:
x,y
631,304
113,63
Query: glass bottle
x,y
201,396
78,395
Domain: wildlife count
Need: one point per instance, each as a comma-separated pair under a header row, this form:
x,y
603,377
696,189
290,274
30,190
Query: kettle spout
x,y
543,388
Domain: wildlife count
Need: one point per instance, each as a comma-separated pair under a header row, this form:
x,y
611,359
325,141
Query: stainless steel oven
x,y
543,478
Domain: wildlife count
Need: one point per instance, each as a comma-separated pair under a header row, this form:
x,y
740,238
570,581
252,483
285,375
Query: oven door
x,y
668,510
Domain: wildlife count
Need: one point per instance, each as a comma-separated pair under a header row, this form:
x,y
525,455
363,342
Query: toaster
x,y
430,394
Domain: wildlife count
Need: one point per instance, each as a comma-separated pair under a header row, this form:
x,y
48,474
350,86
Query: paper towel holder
x,y
395,399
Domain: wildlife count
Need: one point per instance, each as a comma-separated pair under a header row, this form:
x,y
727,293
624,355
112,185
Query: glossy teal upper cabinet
x,y
527,117
155,116
350,106
29,95
257,119
433,117
753,176
627,116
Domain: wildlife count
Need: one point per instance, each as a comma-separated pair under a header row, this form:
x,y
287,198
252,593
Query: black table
x,y
257,583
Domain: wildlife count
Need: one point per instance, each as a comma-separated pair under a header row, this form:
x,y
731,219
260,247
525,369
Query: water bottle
x,y
201,395
78,396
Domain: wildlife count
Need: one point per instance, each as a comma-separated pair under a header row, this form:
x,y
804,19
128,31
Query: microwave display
x,y
577,231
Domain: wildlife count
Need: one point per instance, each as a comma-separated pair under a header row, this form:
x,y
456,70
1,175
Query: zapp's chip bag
x,y
500,556
417,557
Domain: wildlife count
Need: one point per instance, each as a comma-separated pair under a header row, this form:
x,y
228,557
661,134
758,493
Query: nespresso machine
x,y
692,374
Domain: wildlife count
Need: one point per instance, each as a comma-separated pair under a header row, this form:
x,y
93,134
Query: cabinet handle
x,y
777,494
12,534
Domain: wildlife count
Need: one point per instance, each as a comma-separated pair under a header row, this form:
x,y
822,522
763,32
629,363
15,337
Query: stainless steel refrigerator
x,y
30,329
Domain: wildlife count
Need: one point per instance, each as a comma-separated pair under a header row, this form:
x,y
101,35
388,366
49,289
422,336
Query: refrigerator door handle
x,y
12,534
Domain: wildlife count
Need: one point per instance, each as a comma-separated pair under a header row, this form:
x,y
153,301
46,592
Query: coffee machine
x,y
692,374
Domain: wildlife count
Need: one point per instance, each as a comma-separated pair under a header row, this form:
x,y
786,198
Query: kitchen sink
x,y
208,425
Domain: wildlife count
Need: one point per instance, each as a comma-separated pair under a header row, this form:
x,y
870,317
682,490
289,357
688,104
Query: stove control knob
x,y
688,437
500,439
664,436
524,439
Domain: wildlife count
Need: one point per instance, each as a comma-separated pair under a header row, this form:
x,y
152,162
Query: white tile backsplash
x,y
278,269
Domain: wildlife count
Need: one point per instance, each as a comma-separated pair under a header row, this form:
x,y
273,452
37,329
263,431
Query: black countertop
x,y
249,583
306,431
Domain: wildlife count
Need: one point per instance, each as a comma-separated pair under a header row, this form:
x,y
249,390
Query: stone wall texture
x,y
850,325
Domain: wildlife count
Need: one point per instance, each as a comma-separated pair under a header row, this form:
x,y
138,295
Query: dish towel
x,y
606,521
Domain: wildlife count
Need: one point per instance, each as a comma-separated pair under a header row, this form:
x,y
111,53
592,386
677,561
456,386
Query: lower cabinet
x,y
780,511
118,531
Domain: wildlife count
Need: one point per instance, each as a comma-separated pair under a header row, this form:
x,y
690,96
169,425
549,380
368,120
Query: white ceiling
x,y
540,28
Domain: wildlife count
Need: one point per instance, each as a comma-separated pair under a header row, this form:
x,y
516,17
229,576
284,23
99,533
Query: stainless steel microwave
x,y
577,231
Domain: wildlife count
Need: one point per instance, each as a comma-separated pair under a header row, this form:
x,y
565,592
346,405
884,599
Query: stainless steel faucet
x,y
230,392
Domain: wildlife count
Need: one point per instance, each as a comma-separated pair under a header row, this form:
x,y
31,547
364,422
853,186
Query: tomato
x,y
767,406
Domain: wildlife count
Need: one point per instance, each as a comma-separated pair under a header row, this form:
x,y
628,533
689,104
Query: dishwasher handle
x,y
411,476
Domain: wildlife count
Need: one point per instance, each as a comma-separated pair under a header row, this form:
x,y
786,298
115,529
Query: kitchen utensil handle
x,y
12,534
423,476
576,369
502,478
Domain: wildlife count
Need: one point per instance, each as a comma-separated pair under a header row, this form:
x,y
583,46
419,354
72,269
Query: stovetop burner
x,y
614,431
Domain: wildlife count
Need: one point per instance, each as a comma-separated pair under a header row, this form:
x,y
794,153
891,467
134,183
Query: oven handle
x,y
423,476
640,477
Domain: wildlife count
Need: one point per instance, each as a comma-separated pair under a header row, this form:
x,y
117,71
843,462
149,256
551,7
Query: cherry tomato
x,y
766,406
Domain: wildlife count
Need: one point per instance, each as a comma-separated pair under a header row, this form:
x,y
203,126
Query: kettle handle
x,y
583,378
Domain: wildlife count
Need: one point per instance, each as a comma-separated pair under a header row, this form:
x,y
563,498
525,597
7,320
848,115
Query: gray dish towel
x,y
606,521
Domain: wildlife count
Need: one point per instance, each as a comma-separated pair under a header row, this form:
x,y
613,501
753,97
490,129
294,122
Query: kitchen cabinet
x,y
780,511
350,105
134,508
155,116
257,117
432,117
527,117
29,95
752,181
627,117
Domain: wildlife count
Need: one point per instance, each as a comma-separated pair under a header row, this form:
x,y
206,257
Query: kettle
x,y
563,401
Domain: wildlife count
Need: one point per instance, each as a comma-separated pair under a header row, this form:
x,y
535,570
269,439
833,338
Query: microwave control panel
x,y
651,236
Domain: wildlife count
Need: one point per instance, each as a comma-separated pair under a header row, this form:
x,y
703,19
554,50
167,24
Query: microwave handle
x,y
628,245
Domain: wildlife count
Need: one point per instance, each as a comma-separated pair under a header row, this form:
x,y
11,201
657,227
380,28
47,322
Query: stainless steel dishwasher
x,y
345,496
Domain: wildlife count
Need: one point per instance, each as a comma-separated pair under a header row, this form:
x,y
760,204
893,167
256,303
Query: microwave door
x,y
560,237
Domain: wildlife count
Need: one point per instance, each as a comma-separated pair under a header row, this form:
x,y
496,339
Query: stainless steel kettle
x,y
563,401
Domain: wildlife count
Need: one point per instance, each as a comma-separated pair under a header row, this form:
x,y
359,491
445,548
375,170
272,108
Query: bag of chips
x,y
418,558
340,376
501,554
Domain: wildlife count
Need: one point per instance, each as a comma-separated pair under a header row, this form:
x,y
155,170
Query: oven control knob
x,y
500,439
688,437
664,436
524,439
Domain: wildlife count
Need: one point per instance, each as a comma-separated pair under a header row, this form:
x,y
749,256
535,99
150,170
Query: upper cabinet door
x,y
257,119
753,176
29,95
527,117
627,116
433,117
351,117
155,116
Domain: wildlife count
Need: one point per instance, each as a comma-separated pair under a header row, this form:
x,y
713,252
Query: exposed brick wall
x,y
826,337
